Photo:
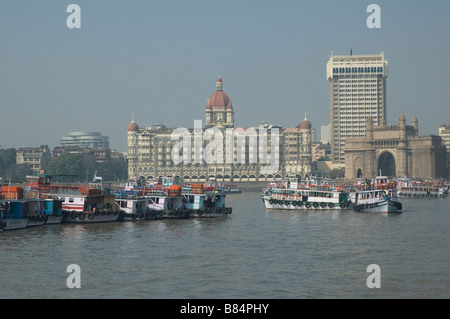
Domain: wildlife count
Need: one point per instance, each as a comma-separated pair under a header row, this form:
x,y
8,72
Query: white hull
x,y
386,206
326,206
415,195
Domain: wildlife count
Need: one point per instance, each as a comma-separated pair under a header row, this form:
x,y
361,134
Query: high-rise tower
x,y
357,91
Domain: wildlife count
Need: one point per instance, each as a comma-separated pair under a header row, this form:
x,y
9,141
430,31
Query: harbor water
x,y
252,253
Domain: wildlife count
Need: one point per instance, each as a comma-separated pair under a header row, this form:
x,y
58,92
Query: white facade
x,y
357,91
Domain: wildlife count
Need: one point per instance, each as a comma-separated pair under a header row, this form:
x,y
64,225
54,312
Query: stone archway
x,y
386,164
359,173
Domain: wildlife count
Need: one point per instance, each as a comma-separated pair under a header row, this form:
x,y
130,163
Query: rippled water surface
x,y
253,253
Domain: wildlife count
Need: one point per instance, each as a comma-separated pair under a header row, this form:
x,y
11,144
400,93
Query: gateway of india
x,y
395,151
150,149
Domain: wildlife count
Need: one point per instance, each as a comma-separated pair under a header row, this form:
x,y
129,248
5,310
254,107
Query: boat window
x,y
71,199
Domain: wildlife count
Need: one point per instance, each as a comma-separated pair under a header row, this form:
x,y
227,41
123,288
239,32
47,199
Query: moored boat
x,y
79,203
411,189
377,201
293,194
133,207
171,198
11,215
378,196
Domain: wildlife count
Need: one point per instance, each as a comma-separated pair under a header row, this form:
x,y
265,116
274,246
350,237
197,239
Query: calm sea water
x,y
253,253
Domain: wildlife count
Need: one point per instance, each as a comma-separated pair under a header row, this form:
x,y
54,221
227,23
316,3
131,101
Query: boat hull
x,y
90,217
414,195
385,206
54,220
305,206
209,212
15,223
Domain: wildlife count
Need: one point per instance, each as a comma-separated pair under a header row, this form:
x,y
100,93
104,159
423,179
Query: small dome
x,y
133,127
219,98
305,124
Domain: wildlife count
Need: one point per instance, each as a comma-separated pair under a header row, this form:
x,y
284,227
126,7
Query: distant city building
x,y
444,133
85,139
150,149
357,91
36,157
320,151
325,134
100,154
395,151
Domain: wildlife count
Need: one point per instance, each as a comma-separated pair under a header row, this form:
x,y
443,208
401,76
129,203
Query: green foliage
x,y
9,170
84,166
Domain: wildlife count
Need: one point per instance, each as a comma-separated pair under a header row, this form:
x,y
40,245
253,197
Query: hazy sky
x,y
160,60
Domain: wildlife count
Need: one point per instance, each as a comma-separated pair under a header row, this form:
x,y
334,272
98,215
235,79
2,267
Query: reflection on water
x,y
253,253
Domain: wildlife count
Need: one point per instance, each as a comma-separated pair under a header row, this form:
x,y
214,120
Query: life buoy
x,y
91,216
323,204
81,215
73,215
315,204
308,205
271,201
342,205
330,205
200,211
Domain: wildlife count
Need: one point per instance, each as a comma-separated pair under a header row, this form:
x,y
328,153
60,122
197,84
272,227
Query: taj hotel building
x,y
288,150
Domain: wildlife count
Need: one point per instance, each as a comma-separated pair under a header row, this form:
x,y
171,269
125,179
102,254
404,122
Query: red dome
x,y
219,99
305,125
133,127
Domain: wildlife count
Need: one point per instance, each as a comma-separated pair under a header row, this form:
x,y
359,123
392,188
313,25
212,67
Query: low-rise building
x,y
36,157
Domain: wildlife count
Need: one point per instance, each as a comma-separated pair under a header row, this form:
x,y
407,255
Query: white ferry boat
x,y
133,208
377,201
380,196
170,198
410,189
292,194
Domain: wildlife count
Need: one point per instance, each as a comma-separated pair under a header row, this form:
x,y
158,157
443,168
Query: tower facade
x,y
357,91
